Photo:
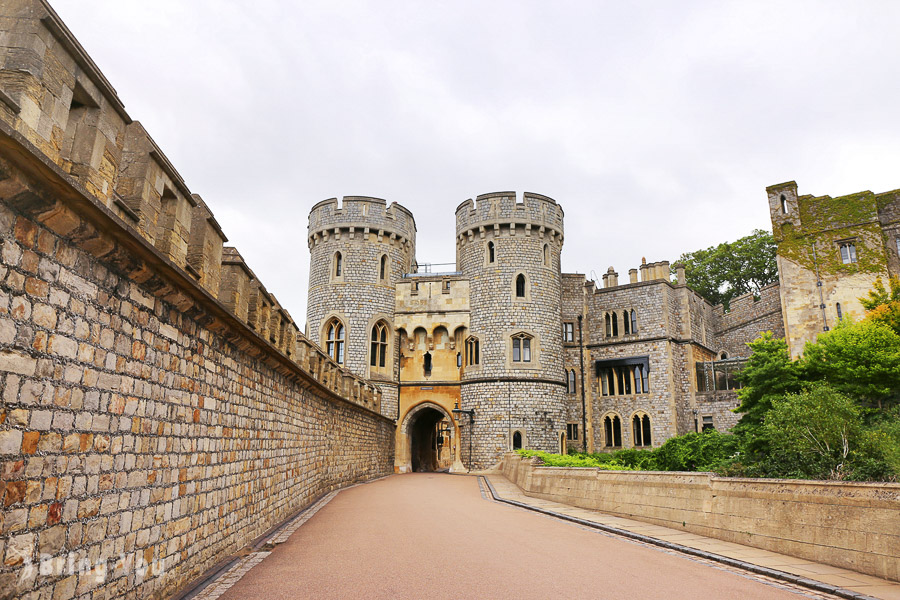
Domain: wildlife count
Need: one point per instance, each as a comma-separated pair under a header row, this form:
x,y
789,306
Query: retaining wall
x,y
851,525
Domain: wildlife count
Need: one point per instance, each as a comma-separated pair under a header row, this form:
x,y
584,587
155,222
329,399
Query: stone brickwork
x,y
747,318
138,428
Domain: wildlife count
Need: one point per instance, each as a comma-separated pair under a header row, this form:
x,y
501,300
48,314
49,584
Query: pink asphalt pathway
x,y
428,535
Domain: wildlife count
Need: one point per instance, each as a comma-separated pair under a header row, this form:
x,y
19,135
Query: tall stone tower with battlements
x,y
359,249
509,250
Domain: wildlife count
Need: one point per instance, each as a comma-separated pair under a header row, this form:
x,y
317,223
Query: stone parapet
x,y
358,217
501,211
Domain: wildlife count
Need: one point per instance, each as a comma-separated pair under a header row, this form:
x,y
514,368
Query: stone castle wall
x,y
747,318
140,425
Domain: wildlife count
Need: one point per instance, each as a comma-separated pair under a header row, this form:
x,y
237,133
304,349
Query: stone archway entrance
x,y
426,432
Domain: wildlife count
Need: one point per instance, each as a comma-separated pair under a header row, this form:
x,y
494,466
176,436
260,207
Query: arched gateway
x,y
427,430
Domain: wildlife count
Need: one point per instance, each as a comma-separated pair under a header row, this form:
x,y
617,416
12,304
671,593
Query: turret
x,y
359,249
509,250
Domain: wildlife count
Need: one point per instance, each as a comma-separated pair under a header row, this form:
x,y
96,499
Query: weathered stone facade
x,y
830,251
160,409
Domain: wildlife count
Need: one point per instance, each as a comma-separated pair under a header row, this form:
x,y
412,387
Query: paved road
x,y
426,535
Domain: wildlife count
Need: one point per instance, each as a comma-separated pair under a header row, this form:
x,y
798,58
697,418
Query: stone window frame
x,y
522,439
618,378
545,255
645,431
572,431
490,253
535,347
384,268
568,332
852,251
710,424
571,383
339,349
337,266
473,352
563,444
610,430
380,321
513,291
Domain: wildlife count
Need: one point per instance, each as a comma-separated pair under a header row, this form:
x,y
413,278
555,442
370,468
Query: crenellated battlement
x,y
496,212
361,216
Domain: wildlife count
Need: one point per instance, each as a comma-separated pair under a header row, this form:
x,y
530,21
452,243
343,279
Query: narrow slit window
x,y
633,321
520,286
626,322
645,424
490,252
546,255
608,326
783,205
383,270
636,431
338,264
571,381
615,325
839,313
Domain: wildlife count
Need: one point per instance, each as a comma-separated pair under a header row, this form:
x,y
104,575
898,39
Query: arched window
x,y
334,340
546,255
338,264
473,355
615,325
382,273
640,428
612,427
840,314
608,326
490,252
625,322
783,205
637,379
517,440
521,347
520,286
427,363
378,352
633,322
571,381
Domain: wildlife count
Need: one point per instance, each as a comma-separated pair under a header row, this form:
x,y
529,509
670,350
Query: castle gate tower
x,y
513,375
358,251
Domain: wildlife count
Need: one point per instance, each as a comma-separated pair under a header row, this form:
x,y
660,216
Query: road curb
x,y
732,562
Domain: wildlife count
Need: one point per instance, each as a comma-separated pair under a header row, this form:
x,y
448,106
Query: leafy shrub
x,y
696,451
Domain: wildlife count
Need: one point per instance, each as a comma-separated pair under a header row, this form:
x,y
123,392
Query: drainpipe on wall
x,y
819,285
583,404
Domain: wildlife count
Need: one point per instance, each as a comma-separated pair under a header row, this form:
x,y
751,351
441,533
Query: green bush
x,y
575,460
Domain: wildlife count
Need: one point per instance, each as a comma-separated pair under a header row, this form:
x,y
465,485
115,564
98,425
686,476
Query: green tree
x,y
769,374
883,305
818,433
861,360
723,272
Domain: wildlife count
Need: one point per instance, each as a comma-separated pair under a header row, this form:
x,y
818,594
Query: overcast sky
x,y
656,125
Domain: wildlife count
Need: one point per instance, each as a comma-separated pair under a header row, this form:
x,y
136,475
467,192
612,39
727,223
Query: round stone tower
x,y
513,377
359,249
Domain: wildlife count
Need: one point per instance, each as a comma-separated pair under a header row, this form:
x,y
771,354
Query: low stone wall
x,y
851,525
146,433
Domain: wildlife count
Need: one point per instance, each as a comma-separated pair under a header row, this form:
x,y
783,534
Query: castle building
x,y
506,351
503,350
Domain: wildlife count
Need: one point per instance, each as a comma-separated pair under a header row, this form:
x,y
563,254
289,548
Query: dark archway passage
x,y
423,440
